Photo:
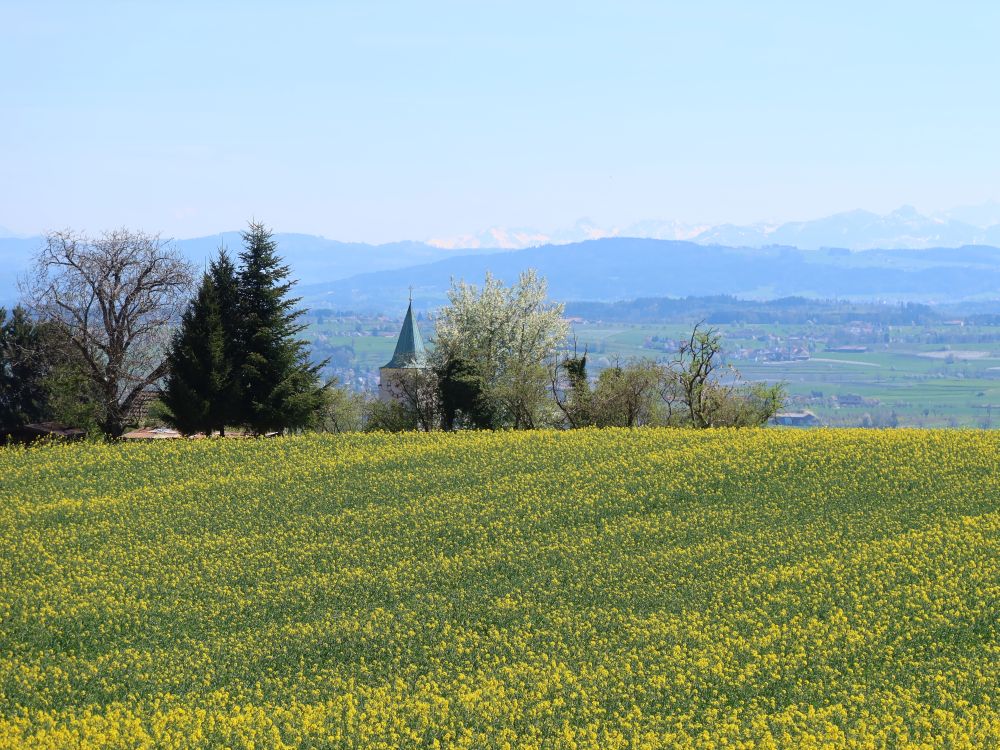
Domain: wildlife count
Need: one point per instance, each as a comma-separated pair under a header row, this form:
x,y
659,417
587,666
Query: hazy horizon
x,y
979,216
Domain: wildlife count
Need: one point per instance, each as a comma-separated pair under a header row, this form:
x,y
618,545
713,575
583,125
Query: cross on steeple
x,y
411,292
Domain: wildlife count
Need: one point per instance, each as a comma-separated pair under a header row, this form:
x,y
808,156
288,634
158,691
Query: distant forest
x,y
726,309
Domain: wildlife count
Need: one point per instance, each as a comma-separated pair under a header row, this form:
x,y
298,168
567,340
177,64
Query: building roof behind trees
x,y
410,351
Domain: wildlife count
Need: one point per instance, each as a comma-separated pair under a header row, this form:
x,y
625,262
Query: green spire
x,y
410,350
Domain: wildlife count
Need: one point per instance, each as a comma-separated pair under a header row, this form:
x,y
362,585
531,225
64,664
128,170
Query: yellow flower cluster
x,y
586,589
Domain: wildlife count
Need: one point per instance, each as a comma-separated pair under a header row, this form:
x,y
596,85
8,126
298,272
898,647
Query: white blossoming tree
x,y
492,346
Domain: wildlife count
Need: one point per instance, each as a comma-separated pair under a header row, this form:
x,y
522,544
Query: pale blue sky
x,y
387,120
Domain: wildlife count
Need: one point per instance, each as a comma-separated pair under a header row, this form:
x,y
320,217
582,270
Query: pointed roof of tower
x,y
410,350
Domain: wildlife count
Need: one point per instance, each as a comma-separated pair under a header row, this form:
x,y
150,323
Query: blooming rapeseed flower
x,y
586,589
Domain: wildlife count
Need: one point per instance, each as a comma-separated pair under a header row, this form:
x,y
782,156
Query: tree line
x,y
106,323
720,309
501,361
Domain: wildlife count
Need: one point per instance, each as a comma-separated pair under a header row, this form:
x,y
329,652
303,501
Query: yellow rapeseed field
x,y
592,589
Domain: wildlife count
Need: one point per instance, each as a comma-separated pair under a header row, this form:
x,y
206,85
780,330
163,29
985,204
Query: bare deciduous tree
x,y
697,361
112,300
417,391
714,401
570,388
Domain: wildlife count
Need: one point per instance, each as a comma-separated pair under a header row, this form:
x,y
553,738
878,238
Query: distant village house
x,y
795,419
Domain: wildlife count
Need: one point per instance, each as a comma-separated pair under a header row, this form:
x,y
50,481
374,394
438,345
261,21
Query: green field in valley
x,y
590,589
953,382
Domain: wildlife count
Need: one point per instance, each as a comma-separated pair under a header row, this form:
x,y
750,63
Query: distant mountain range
x,y
626,268
856,255
854,230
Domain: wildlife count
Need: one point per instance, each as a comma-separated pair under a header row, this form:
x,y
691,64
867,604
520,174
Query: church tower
x,y
409,355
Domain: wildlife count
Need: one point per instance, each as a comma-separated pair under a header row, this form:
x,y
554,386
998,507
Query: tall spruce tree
x,y
198,367
227,294
280,389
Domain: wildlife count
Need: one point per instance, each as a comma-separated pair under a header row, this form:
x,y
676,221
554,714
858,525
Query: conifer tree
x,y
198,367
280,389
225,280
23,397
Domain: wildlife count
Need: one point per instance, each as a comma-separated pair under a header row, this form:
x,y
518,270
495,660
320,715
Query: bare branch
x,y
114,299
